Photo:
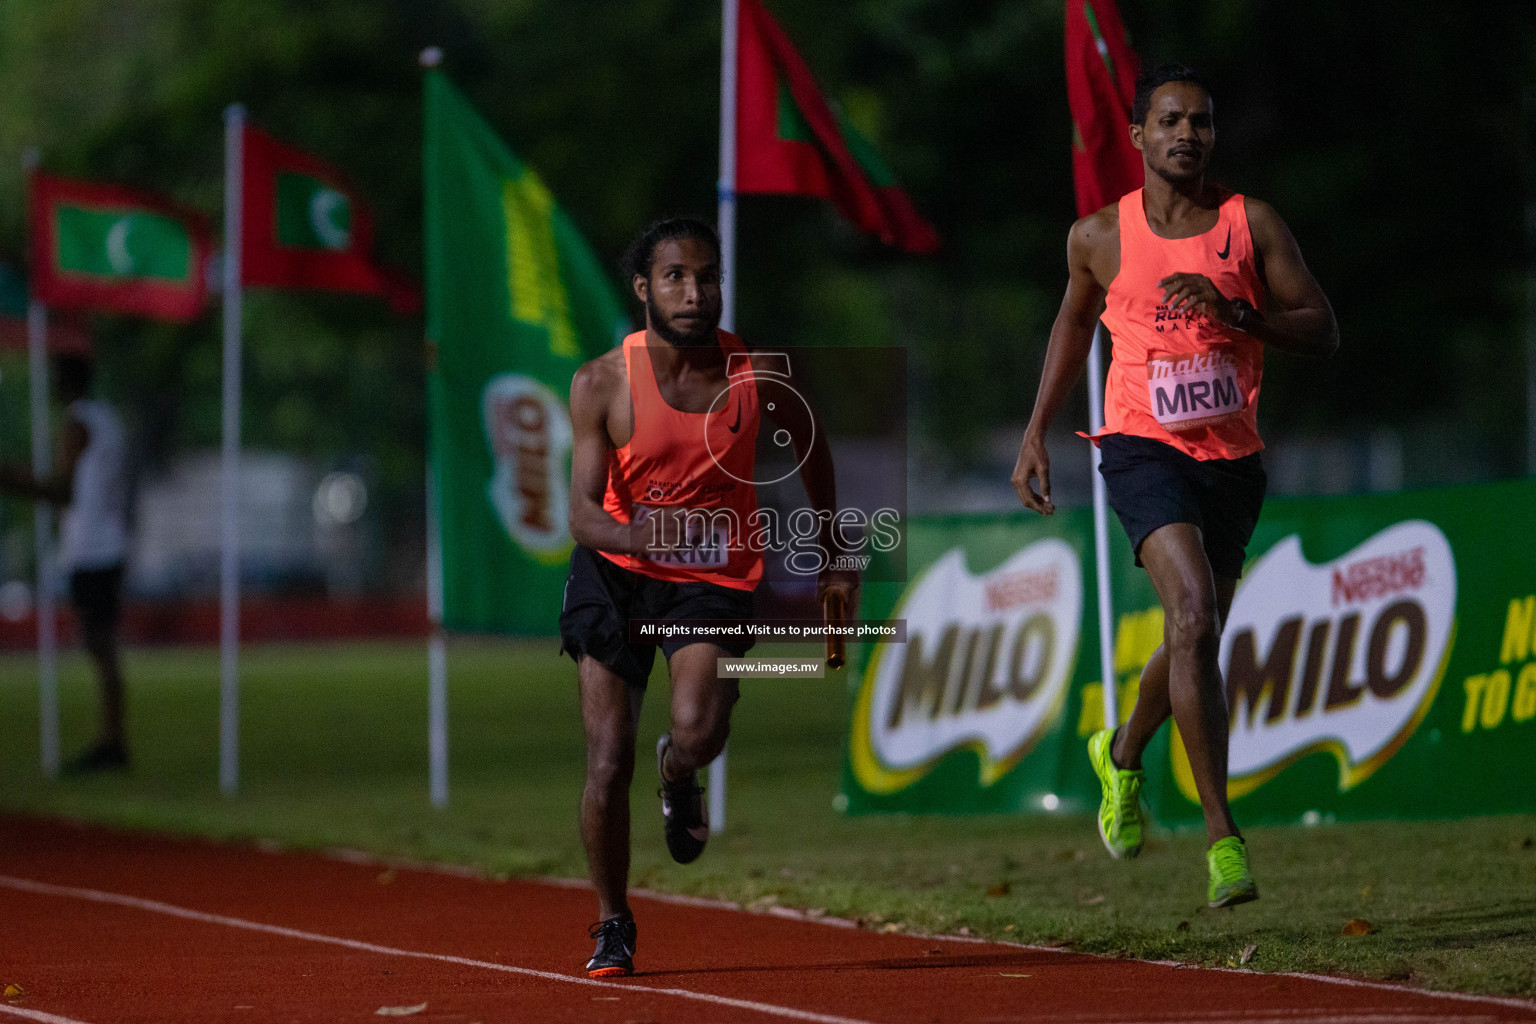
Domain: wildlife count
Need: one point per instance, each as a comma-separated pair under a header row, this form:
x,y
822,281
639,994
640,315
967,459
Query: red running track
x,y
102,927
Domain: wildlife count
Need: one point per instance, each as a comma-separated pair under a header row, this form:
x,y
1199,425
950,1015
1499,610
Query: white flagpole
x,y
437,641
47,626
437,656
727,185
229,543
729,36
1101,531
42,525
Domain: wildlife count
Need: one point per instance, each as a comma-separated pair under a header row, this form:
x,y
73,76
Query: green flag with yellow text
x,y
516,301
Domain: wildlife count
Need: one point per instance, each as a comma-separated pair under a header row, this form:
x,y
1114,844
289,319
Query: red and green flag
x,y
1101,84
304,226
109,248
789,141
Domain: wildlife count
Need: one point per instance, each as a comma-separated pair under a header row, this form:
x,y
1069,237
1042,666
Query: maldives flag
x,y
1101,84
303,226
789,142
121,250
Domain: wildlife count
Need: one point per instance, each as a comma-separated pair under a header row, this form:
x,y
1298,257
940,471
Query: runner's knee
x,y
698,737
1192,624
610,767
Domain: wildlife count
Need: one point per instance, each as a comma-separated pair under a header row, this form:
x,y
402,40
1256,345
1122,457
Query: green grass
x,y
335,755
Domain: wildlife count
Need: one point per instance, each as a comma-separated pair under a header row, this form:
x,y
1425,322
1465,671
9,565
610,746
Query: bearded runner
x,y
1193,282
662,495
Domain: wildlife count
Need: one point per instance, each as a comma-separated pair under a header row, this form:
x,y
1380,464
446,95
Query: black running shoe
x,y
684,819
615,956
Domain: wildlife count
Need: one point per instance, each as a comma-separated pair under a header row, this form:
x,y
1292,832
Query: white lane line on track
x,y
358,857
1294,1015
1328,979
155,906
1519,1004
39,1016
1336,1017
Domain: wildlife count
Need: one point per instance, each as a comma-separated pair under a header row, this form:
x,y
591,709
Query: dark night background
x,y
1394,138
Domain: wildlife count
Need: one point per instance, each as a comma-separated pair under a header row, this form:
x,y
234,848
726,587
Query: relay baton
x,y
832,609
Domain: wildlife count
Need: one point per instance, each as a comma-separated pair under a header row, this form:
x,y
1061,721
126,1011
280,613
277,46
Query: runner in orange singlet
x,y
662,494
1193,282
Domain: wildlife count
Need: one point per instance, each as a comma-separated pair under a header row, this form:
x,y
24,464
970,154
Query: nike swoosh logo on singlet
x,y
736,427
1222,253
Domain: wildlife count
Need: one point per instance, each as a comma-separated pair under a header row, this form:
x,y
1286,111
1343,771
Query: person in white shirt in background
x,y
90,484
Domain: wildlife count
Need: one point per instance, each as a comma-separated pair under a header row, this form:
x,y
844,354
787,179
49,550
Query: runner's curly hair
x,y
642,251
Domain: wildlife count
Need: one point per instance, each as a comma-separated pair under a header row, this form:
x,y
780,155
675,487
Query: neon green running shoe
x,y
1231,881
1120,809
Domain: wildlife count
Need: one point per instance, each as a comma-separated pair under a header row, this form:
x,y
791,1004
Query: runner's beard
x,y
1171,173
693,334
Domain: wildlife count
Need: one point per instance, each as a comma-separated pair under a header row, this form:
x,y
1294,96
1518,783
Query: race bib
x,y
705,545
1193,390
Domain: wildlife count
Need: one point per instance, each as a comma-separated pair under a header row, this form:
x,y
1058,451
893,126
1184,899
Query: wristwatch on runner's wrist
x,y
1247,316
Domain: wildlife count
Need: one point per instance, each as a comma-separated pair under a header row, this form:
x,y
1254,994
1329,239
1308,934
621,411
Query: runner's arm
x,y
591,455
1299,319
1067,352
819,475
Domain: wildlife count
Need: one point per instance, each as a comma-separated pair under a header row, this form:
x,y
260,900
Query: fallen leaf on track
x,y
13,990
1356,927
399,1011
1247,953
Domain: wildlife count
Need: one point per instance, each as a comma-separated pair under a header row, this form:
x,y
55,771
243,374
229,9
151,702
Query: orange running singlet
x,y
700,461
1182,377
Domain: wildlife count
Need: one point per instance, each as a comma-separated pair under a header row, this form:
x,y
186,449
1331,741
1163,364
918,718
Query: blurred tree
x,y
1389,135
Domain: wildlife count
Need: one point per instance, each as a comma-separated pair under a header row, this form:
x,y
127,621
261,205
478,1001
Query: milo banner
x,y
515,303
978,710
1379,659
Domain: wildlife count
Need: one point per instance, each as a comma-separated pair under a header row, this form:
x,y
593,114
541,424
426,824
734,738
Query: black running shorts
x,y
601,598
97,595
1152,484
